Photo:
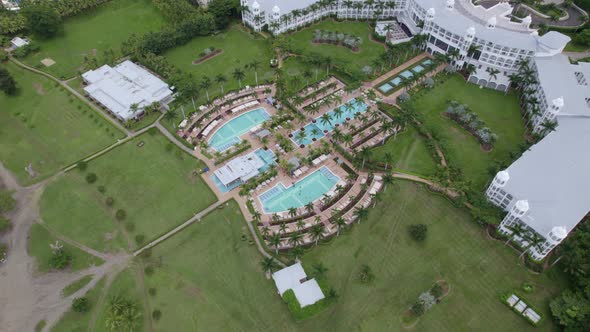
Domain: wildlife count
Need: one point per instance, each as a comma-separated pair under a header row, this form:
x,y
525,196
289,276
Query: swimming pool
x,y
385,88
407,74
229,134
418,69
337,116
427,62
309,189
396,81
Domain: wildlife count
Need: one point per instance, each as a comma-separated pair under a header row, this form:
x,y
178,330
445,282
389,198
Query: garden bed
x,y
207,57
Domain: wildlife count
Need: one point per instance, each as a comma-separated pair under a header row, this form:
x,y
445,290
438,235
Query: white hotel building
x,y
450,25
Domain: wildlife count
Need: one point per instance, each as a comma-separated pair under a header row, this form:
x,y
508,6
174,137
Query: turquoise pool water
x,y
427,62
418,69
385,88
267,156
309,189
316,130
229,134
396,81
407,74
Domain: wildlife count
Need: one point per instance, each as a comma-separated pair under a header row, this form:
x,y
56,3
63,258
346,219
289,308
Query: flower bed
x,y
471,122
337,38
206,56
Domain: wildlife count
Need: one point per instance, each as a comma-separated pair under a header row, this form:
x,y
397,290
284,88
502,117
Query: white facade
x,y
294,278
118,88
483,37
547,190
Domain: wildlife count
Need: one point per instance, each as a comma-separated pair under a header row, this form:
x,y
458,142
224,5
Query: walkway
x,y
578,55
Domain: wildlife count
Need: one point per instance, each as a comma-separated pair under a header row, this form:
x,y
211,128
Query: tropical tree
x,y
295,239
361,213
340,223
170,115
254,65
292,212
319,270
388,159
221,80
317,232
533,240
493,73
517,230
309,207
297,252
326,119
387,180
275,241
205,85
268,264
238,74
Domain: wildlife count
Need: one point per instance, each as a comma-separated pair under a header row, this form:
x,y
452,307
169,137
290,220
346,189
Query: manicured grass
x,y
154,184
76,286
209,277
477,268
499,111
39,241
294,68
93,32
46,126
409,152
73,321
239,49
302,42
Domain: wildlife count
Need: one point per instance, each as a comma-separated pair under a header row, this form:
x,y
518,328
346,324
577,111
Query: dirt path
x,y
26,299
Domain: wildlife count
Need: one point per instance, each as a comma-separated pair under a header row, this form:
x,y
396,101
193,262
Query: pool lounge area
x,y
229,134
311,188
320,128
241,169
395,82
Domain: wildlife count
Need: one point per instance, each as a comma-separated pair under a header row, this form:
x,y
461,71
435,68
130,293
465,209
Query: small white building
x,y
294,277
11,5
239,170
119,88
18,42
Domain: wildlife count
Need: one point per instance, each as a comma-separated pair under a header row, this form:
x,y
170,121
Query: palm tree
x,y
534,240
364,154
300,224
387,179
360,213
517,230
388,159
170,115
275,241
377,198
326,119
292,212
387,127
548,126
493,72
309,207
307,74
238,74
283,228
265,231
296,253
317,232
220,79
340,223
256,215
319,270
134,108
205,85
254,66
348,139
295,239
268,264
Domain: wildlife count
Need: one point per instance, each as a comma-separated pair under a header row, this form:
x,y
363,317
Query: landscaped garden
x,y
92,33
136,192
47,127
498,110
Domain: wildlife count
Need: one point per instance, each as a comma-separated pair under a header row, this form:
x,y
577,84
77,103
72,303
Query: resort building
x,y
126,89
12,5
546,190
487,38
240,170
18,42
294,278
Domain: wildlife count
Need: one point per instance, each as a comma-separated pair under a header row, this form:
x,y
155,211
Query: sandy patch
x,y
48,62
39,88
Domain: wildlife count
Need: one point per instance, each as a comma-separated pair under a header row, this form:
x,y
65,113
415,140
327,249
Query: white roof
x,y
124,85
307,292
19,42
285,6
243,167
553,177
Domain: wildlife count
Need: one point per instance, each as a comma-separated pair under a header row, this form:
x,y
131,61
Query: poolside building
x,y
18,42
547,190
294,278
126,89
240,170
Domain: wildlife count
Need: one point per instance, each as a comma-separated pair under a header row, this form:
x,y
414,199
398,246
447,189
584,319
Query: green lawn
x,y
499,111
93,32
39,241
239,49
294,68
409,152
46,126
154,184
79,322
342,56
210,279
76,286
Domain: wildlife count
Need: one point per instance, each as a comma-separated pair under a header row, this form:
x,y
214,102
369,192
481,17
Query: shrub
x,y
60,259
91,178
80,304
527,287
436,290
4,224
417,308
418,232
156,314
139,238
7,202
110,201
148,270
152,291
102,189
366,275
129,226
120,214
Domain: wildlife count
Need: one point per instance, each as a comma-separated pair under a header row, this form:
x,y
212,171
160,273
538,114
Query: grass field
x,y
46,126
239,49
342,56
499,111
409,152
91,33
39,241
78,322
154,184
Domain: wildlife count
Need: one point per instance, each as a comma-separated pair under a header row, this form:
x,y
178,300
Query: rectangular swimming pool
x,y
418,69
313,187
407,74
385,88
229,134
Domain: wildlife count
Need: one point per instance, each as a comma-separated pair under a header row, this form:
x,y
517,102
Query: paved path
x,y
76,93
173,139
578,55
